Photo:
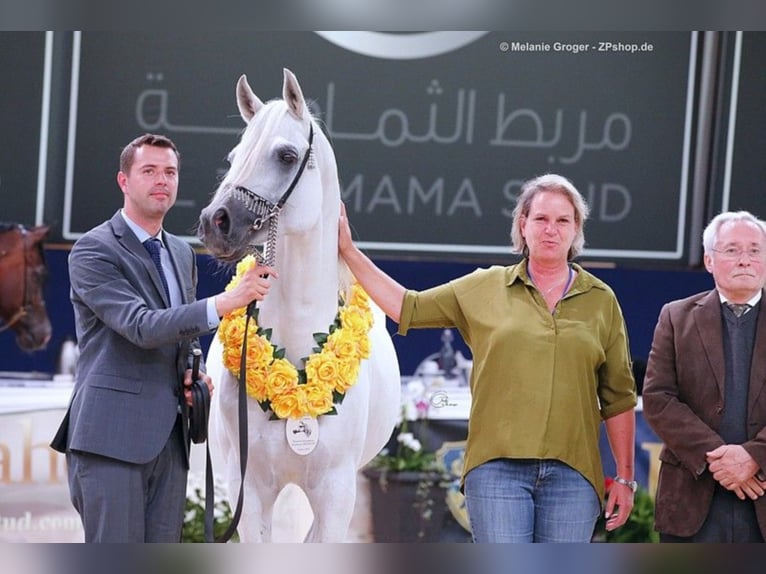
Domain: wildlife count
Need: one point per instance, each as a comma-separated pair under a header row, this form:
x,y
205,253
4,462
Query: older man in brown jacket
x,y
705,394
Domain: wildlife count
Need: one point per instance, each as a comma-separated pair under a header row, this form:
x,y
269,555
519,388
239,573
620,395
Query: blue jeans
x,y
525,500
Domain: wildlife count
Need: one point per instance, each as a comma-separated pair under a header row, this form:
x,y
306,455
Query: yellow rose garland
x,y
330,371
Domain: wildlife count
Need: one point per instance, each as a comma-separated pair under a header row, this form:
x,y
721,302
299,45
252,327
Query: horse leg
x,y
332,499
257,514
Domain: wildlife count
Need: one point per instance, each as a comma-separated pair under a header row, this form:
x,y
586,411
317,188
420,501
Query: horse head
x,y
22,276
275,172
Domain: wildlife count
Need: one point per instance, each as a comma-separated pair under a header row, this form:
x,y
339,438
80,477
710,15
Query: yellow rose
x,y
259,351
364,347
231,331
355,320
322,368
318,399
291,404
359,297
348,373
343,344
244,264
256,383
282,376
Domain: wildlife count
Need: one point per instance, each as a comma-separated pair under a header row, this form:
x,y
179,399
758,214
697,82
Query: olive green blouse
x,y
541,382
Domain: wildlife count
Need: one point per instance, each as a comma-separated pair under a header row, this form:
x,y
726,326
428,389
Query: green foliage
x,y
409,455
194,517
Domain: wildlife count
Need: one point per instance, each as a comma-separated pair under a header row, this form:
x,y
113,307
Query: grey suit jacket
x,y
134,348
683,401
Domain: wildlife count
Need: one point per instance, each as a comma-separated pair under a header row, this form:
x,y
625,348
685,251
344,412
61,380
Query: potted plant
x,y
407,482
194,513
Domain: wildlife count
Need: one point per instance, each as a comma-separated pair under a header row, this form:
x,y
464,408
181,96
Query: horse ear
x,y
292,94
40,231
247,102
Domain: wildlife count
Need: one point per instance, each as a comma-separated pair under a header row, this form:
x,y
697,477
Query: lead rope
x,y
243,432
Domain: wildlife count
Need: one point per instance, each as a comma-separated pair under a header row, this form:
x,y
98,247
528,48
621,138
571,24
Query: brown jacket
x,y
683,403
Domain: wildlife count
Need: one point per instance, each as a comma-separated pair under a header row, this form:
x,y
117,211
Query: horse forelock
x,y
250,148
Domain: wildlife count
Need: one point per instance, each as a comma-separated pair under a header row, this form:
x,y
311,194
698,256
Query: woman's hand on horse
x,y
345,241
253,286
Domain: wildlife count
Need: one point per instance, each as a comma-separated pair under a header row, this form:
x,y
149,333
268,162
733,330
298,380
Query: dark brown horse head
x,y
22,276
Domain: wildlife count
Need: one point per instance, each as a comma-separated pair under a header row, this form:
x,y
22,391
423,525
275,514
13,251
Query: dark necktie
x,y
738,309
153,246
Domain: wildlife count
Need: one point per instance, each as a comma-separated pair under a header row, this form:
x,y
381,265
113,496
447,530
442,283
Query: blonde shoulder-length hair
x,y
557,184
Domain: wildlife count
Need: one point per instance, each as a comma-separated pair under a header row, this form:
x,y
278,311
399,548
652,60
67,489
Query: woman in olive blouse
x,y
550,362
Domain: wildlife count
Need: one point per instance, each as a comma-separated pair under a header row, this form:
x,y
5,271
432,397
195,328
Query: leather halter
x,y
264,210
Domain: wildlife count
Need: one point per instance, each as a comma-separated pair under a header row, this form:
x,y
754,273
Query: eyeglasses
x,y
735,253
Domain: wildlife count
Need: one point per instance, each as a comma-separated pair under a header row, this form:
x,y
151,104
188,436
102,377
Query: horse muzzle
x,y
33,335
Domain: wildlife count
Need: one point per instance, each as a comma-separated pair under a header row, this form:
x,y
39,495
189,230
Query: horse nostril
x,y
221,221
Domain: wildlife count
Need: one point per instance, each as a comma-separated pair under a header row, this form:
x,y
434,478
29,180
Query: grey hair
x,y
557,184
710,235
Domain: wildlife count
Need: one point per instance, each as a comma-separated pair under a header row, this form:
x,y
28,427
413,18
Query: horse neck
x,y
304,299
12,273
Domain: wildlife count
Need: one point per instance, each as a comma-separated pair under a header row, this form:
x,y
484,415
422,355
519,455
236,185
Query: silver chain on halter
x,y
263,211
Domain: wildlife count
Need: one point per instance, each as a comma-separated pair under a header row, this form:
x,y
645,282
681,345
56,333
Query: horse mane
x,y
345,278
8,226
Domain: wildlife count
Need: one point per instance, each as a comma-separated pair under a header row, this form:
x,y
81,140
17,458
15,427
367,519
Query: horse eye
x,y
287,156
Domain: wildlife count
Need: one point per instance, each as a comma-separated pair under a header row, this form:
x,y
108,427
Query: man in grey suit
x,y
705,394
125,433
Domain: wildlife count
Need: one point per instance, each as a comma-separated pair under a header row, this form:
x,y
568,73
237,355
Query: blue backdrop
x,y
641,293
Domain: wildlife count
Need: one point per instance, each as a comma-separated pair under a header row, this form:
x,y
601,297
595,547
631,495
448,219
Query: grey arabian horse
x,y
283,148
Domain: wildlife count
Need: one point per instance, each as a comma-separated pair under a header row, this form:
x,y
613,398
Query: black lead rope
x,y
243,432
199,413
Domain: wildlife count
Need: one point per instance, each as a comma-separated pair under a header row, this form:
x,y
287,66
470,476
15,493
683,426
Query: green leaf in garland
x,y
321,338
337,397
302,378
279,353
266,333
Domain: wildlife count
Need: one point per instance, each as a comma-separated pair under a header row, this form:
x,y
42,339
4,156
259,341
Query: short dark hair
x,y
129,151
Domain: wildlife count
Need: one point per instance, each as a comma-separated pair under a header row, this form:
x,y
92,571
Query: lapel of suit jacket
x,y
707,318
178,257
128,239
758,365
